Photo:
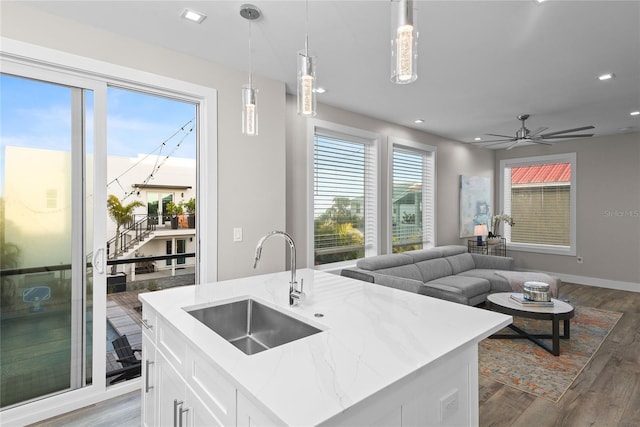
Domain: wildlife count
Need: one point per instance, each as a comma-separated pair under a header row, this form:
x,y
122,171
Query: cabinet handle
x,y
146,324
182,411
147,387
176,403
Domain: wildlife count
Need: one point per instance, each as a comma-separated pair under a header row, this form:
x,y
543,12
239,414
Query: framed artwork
x,y
475,194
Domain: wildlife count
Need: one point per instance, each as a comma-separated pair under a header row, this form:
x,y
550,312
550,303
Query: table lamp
x,y
480,231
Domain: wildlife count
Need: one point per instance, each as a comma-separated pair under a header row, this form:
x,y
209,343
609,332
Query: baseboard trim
x,y
595,281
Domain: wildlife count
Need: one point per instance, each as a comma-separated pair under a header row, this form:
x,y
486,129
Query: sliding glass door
x,y
45,319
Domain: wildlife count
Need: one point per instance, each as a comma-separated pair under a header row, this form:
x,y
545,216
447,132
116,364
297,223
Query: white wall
x,y
452,160
251,170
608,212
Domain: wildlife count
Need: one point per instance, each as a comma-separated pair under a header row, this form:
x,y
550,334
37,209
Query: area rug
x,y
526,366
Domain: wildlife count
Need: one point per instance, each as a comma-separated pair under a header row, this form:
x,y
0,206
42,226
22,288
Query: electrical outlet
x,y
579,259
237,234
449,405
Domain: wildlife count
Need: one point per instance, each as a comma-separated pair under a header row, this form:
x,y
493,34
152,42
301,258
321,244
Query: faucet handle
x,y
298,297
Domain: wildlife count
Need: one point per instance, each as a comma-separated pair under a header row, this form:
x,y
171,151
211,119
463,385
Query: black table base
x,y
535,338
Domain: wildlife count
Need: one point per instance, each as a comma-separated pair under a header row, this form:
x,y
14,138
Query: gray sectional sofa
x,y
446,272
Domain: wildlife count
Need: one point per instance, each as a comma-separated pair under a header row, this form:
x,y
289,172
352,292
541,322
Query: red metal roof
x,y
559,172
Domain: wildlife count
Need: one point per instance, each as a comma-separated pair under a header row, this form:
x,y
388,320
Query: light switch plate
x,y
237,234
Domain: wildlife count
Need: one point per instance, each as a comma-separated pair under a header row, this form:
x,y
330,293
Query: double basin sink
x,y
252,326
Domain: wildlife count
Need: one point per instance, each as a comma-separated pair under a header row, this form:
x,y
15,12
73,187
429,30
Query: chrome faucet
x,y
295,296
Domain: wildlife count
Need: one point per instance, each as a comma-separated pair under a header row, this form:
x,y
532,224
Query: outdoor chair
x,y
131,365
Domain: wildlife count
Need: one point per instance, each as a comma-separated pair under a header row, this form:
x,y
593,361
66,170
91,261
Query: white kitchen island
x,y
384,357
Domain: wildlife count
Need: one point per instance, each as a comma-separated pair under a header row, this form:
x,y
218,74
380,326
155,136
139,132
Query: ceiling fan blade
x,y
537,131
512,145
494,140
501,136
583,135
492,143
567,131
541,141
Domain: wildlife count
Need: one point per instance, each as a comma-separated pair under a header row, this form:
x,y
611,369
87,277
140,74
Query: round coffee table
x,y
502,303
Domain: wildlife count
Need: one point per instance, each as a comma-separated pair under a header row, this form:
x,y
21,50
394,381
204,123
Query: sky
x,y
38,115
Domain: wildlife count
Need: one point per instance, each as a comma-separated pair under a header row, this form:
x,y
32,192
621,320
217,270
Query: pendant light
x,y
306,75
404,41
249,93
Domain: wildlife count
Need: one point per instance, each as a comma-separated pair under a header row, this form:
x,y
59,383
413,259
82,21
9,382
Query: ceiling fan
x,y
525,135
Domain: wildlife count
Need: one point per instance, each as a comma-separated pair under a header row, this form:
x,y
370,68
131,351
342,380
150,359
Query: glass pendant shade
x,y
249,110
404,41
306,84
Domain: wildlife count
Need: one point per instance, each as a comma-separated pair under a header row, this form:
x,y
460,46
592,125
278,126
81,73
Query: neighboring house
x,y
540,204
128,178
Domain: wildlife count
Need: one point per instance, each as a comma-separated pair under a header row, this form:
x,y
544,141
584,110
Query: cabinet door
x,y
249,415
149,383
170,390
198,414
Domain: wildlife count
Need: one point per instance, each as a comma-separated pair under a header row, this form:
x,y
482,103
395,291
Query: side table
x,y
499,249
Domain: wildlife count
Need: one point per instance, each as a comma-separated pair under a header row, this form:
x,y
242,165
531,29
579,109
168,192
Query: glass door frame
x,y
31,61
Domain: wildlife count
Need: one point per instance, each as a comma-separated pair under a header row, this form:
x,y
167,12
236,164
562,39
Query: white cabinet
x,y
149,377
149,383
170,392
180,387
249,415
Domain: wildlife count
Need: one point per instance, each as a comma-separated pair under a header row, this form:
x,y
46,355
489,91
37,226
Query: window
x,y
539,194
345,194
412,195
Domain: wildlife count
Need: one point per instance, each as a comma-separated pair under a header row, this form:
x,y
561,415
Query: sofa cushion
x,y
453,250
383,261
409,285
424,254
434,268
461,262
498,283
492,262
466,290
405,271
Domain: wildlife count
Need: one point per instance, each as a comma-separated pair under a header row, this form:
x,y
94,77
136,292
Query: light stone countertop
x,y
372,337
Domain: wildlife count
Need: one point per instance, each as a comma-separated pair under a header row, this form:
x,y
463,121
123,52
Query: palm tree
x,y
120,214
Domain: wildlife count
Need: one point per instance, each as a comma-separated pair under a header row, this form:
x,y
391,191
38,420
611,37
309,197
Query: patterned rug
x,y
525,366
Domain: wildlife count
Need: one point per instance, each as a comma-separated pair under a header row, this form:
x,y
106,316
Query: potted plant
x,y
173,210
121,215
494,237
190,209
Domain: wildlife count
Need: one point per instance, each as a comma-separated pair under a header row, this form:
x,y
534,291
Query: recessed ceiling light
x,y
540,1
607,76
193,16
320,90
477,138
635,113
418,121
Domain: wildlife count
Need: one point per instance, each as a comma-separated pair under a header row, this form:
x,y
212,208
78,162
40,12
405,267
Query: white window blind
x,y
412,199
345,197
539,194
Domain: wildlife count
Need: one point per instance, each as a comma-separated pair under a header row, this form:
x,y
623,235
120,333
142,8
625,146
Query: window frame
x,y
506,207
429,239
371,138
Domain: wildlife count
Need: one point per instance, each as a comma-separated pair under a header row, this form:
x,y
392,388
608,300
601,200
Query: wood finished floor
x,y
606,393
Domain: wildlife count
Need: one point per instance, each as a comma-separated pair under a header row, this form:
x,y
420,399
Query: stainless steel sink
x,y
251,326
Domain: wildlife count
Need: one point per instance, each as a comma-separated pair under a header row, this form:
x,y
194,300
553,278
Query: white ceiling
x,y
481,63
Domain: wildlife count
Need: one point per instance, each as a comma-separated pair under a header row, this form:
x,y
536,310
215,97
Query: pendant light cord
x,y
306,36
250,59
